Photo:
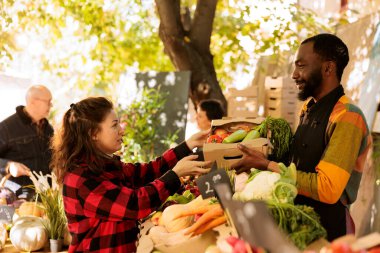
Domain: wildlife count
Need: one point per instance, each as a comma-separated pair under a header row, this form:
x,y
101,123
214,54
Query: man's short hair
x,y
330,48
213,108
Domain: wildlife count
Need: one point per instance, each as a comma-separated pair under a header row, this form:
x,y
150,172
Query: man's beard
x,y
310,85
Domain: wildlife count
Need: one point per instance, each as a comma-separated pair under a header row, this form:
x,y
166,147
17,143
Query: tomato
x,y
220,131
225,135
339,247
214,139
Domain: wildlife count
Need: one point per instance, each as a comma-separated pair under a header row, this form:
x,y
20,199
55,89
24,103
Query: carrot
x,y
197,210
205,218
214,223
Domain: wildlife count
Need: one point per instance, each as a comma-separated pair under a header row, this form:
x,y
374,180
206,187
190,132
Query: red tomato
x,y
214,139
338,247
224,135
220,131
232,240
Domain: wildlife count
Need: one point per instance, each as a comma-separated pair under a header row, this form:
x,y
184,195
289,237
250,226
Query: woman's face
x,y
203,122
109,138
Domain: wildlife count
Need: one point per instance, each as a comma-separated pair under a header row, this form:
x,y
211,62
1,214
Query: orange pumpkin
x,y
31,208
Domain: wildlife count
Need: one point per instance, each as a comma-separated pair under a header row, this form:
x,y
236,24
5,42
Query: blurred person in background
x,y
25,142
208,110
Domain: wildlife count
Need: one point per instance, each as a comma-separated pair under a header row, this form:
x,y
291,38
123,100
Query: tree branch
x,y
170,17
201,27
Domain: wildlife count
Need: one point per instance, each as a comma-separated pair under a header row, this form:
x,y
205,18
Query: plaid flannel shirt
x,y
103,210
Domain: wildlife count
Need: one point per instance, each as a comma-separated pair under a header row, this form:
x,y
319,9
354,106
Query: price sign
x,y
207,182
254,225
6,212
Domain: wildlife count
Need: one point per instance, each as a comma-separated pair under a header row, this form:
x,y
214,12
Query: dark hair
x,y
72,143
330,48
213,108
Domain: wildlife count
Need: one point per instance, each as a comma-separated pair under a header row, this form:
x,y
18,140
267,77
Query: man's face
x,y
42,104
307,72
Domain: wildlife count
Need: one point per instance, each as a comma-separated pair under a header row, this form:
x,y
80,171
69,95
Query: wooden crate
x,y
280,82
281,108
245,107
281,93
251,92
242,103
272,102
281,113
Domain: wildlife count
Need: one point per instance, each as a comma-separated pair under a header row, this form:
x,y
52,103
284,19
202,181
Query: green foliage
x,y
280,134
243,31
301,223
51,198
98,40
52,202
142,129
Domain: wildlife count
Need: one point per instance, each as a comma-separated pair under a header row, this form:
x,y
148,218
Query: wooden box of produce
x,y
222,143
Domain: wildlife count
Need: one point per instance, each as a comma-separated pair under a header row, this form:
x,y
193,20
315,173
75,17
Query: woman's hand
x,y
251,159
187,166
198,139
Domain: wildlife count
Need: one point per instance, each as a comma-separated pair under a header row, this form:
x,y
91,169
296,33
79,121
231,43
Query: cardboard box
x,y
227,154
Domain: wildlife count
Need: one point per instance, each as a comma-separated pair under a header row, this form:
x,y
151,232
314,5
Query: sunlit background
x,y
27,66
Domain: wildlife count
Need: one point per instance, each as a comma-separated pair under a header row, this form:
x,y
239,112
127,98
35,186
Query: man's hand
x,y
18,169
198,139
251,159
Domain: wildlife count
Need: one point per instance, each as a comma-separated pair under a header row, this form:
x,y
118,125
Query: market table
x,y
9,248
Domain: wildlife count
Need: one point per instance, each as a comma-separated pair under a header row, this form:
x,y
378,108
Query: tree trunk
x,y
187,43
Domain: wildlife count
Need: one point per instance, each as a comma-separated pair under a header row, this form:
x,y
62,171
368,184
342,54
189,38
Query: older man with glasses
x,y
24,142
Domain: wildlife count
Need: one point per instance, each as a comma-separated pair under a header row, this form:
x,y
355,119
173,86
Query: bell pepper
x,y
214,139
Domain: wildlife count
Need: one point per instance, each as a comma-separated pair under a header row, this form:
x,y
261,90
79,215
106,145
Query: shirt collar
x,y
338,91
25,117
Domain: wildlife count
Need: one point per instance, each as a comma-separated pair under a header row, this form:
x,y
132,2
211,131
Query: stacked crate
x,y
281,99
242,103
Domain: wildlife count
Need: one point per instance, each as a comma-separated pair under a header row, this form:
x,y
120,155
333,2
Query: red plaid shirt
x,y
103,210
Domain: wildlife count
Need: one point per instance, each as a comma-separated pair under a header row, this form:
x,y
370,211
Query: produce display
x,y
233,132
280,134
30,227
277,130
300,223
179,223
28,234
186,222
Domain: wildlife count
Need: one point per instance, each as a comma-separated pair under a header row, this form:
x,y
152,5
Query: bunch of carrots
x,y
211,216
